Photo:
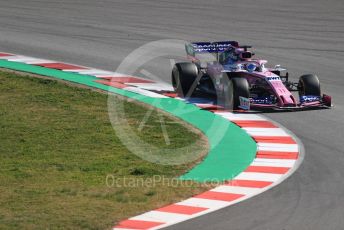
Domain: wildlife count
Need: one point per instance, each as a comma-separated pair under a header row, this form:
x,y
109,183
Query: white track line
x,y
144,92
270,177
266,132
278,147
204,203
153,86
158,216
273,162
240,117
236,190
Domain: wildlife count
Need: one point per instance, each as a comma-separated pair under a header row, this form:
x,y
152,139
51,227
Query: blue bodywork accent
x,y
309,98
263,100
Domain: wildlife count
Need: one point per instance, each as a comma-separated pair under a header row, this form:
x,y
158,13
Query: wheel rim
x,y
302,90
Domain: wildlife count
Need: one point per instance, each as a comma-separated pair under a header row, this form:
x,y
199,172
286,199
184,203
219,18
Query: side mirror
x,y
279,68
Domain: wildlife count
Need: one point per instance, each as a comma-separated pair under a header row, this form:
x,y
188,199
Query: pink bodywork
x,y
284,95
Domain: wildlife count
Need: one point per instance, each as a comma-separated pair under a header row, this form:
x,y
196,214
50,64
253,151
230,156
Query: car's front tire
x,y
309,85
240,88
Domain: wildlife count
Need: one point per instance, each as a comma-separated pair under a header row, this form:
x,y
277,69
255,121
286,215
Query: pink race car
x,y
242,81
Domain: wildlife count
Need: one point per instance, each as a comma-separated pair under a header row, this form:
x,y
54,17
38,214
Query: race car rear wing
x,y
207,47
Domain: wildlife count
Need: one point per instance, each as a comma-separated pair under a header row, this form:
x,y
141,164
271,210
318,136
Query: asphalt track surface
x,y
305,36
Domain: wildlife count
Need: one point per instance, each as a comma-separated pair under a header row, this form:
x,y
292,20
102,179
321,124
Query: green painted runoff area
x,y
231,148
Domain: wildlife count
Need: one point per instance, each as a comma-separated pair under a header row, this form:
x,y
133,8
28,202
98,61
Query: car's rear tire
x,y
309,85
239,88
183,76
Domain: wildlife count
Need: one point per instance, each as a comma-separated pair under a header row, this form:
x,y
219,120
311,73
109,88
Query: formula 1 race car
x,y
244,82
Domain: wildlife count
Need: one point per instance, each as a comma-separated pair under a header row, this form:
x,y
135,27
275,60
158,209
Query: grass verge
x,y
62,165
